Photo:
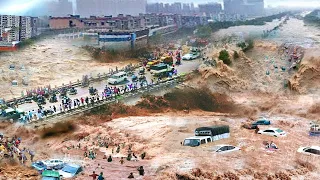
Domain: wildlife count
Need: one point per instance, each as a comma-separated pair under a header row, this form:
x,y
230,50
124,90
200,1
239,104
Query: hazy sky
x,y
36,7
290,3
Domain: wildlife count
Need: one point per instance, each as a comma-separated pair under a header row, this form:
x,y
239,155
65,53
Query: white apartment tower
x,y
17,28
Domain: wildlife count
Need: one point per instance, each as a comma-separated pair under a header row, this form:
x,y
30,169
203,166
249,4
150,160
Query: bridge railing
x,y
116,98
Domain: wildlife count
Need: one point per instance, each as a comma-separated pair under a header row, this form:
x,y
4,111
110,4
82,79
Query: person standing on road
x,y
54,108
30,115
87,100
82,101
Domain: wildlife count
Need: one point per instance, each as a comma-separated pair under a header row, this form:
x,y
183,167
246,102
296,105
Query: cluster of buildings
x,y
126,22
233,9
17,28
87,8
160,17
125,31
174,8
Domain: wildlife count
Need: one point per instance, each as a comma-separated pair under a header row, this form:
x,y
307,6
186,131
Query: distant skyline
x,y
40,7
273,3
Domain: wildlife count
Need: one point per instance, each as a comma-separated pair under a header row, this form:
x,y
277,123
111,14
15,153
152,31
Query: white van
x,y
117,78
197,140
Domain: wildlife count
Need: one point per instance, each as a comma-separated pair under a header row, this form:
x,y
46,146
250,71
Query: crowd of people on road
x,y
68,104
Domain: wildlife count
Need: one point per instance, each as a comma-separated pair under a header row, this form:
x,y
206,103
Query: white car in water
x,y
225,148
312,150
276,132
54,163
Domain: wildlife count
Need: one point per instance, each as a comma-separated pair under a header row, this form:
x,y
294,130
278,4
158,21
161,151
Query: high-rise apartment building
x,y
210,8
87,8
174,8
17,28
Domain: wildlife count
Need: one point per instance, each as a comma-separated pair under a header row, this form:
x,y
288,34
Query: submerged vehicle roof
x,y
214,128
199,137
48,173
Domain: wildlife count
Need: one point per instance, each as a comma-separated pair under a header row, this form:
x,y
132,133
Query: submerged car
x,y
54,164
50,175
262,121
39,165
197,140
223,148
70,170
312,150
276,132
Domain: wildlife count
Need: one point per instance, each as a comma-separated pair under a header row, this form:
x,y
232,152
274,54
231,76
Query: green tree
x,y
224,56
